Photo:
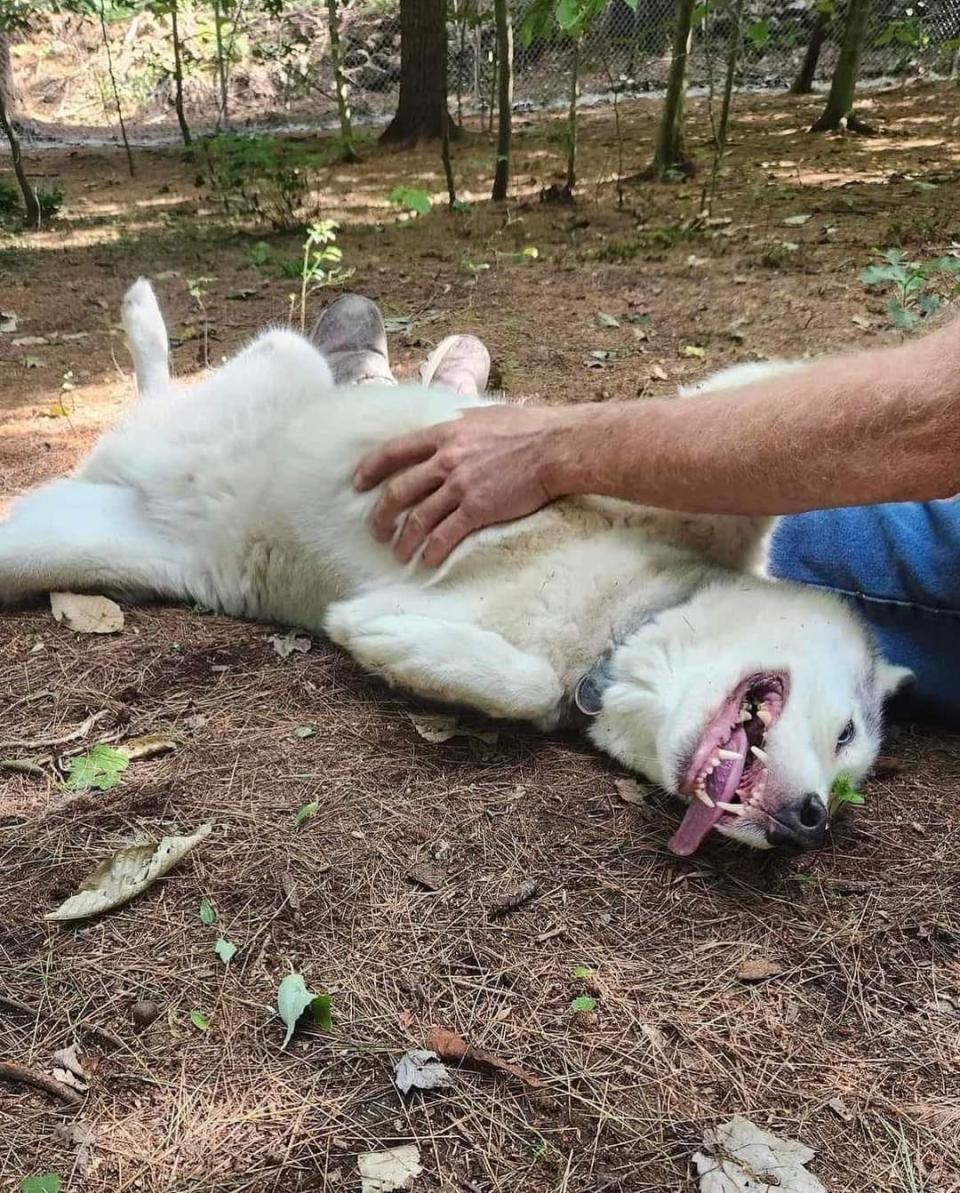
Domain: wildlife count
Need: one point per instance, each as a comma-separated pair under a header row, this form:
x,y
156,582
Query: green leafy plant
x,y
260,254
225,950
293,999
410,200
51,202
208,915
581,971
305,813
199,1020
583,1004
99,769
843,792
47,1182
9,198
321,263
917,286
263,176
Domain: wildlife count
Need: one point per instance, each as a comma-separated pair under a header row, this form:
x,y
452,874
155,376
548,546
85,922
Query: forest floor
x,y
851,1043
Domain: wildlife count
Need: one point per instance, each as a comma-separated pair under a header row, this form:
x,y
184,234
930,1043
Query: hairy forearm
x,y
861,429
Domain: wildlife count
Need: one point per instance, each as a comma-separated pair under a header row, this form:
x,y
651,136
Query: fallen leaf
x,y
420,1069
397,324
426,876
128,873
515,899
97,770
47,1182
207,914
65,1077
604,320
862,322
199,1020
696,262
658,373
438,728
396,1168
226,950
630,791
304,813
86,614
796,221
83,1137
293,998
288,643
8,321
841,1109
740,1156
694,351
450,1046
167,275
242,293
29,341
757,970
67,1058
150,745
305,731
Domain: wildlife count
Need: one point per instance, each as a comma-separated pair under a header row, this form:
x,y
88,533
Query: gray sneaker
x,y
351,336
458,363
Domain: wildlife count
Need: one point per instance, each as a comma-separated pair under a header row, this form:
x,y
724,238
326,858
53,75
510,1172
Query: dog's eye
x,y
847,736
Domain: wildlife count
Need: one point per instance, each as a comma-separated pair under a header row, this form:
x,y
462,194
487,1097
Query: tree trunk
x,y
839,110
178,75
504,24
113,86
720,133
445,155
803,84
8,91
34,215
347,153
572,119
423,73
670,154
221,63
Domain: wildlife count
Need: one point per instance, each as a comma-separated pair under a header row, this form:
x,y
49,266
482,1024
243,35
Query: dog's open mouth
x,y
728,770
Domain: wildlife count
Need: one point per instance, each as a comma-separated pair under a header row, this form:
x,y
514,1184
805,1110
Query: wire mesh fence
x,y
628,49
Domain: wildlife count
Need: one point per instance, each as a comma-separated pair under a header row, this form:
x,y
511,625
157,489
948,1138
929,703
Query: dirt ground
x,y
851,1044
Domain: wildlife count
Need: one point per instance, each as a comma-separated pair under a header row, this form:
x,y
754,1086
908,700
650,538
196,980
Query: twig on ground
x,y
21,1075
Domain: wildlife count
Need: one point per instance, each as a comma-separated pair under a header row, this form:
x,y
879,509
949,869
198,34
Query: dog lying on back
x,y
745,697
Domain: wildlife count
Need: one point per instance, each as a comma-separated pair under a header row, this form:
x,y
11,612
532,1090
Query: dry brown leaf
x,y
86,614
450,1046
759,969
150,745
125,875
630,791
67,1058
738,1157
438,728
396,1168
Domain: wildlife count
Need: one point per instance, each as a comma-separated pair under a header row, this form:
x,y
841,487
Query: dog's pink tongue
x,y
698,821
722,785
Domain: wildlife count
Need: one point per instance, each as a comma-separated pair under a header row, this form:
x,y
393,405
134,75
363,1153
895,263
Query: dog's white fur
x,y
236,493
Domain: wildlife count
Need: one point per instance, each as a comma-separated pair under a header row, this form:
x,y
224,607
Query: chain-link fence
x,y
628,49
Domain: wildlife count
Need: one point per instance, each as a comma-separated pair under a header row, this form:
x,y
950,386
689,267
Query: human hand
x,y
490,465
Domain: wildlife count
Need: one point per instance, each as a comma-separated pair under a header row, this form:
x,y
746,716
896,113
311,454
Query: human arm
x,y
869,427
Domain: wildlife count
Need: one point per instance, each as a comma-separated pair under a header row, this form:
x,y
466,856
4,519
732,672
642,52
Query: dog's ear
x,y
891,678
588,694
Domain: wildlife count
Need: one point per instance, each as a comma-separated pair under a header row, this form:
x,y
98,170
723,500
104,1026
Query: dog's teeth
x,y
704,798
758,753
715,760
765,717
728,755
744,715
736,809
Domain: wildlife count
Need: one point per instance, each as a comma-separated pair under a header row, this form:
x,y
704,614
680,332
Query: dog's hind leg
x,y
75,536
452,661
147,339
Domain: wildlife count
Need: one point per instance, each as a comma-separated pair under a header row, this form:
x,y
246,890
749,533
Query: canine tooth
x,y
758,753
728,755
765,717
736,809
704,798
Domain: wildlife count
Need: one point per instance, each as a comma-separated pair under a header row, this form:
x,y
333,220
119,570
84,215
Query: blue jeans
x,y
900,565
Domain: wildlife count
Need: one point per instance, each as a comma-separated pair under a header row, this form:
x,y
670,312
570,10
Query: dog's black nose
x,y
802,823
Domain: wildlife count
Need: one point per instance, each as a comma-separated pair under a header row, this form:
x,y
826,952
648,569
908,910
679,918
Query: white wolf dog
x,y
656,633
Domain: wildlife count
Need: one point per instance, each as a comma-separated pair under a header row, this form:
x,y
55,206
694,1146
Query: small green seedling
x,y
199,1020
207,914
410,200
305,813
843,792
47,1182
581,971
915,285
584,1004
